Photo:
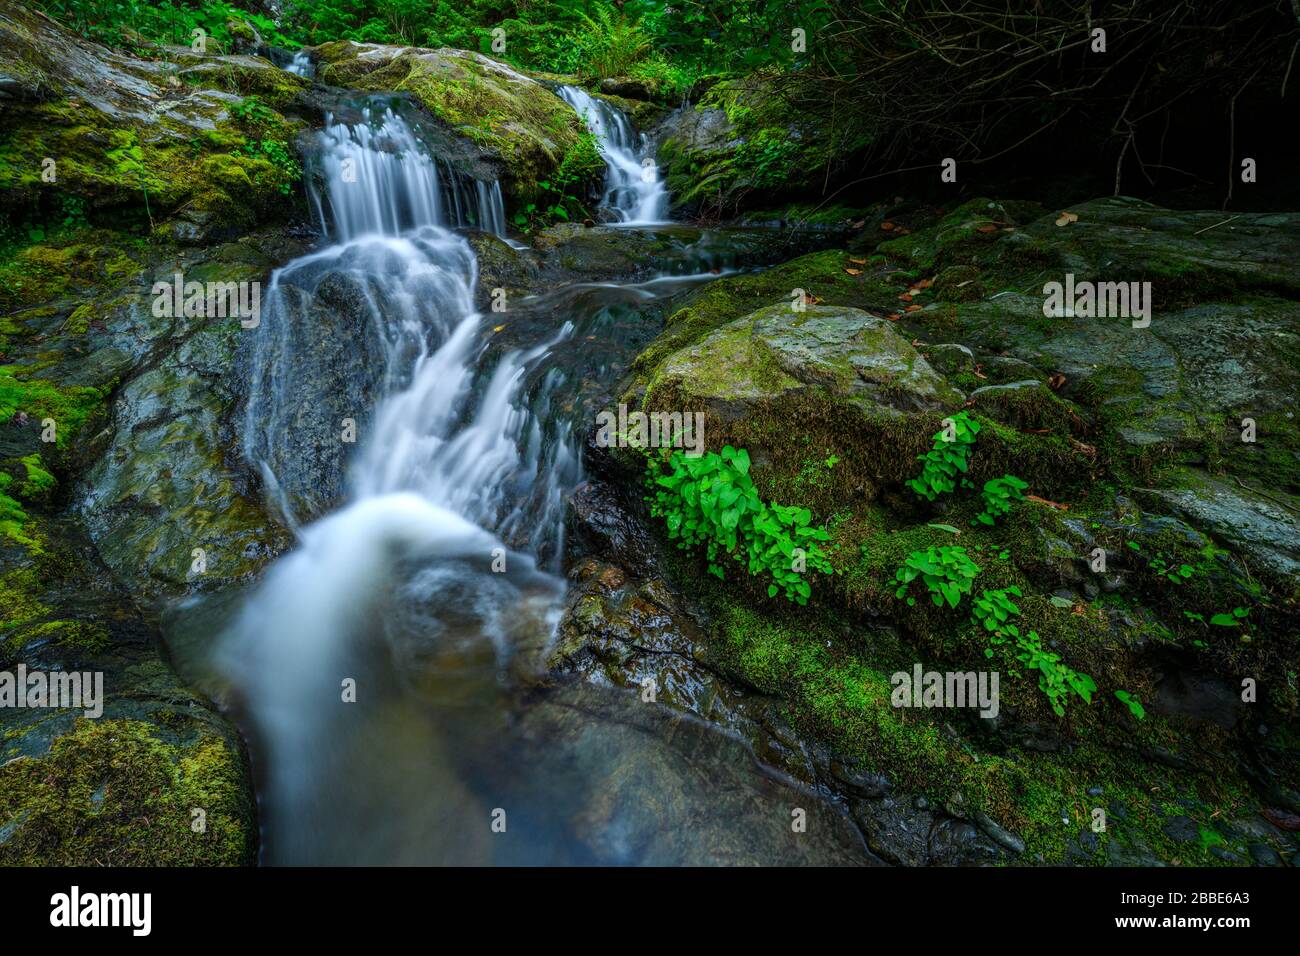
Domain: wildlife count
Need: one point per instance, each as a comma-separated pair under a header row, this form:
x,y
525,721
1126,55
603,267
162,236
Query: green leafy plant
x,y
1132,703
1055,679
948,459
561,200
611,44
947,571
712,500
994,609
999,496
1232,619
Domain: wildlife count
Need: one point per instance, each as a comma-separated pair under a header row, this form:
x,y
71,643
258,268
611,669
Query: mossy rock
x,y
518,120
127,793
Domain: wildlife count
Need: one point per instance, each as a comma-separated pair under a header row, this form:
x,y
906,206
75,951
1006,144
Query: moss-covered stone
x,y
519,121
127,793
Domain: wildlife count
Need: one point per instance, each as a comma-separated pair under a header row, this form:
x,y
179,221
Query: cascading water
x,y
450,460
301,64
633,189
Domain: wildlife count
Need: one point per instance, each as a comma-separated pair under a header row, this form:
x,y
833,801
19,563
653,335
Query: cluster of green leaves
x,y
948,573
769,158
1132,703
279,155
1234,618
949,458
1163,566
994,609
999,496
1055,679
711,500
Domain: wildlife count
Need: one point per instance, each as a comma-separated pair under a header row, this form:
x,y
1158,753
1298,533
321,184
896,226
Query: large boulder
x,y
799,388
176,136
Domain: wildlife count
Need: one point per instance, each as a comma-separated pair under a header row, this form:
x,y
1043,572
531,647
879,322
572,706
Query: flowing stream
x,y
634,190
376,667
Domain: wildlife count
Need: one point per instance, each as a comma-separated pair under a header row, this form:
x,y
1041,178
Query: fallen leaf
x,y
887,226
497,328
1087,449
892,317
987,227
914,307
1065,218
906,297
978,373
854,272
857,262
1050,504
859,224
1055,380
925,283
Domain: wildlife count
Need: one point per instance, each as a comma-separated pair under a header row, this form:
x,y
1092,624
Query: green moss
x,y
70,407
39,481
520,121
121,793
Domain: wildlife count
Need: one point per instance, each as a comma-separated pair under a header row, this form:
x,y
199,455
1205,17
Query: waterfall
x,y
455,461
301,64
634,191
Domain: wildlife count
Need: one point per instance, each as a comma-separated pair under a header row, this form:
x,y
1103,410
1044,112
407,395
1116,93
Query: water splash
x,y
634,190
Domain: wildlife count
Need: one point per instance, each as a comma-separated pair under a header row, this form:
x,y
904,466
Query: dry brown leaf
x,y
906,297
1067,217
913,308
1055,380
1083,447
887,226
854,272
925,283
892,317
987,227
1050,504
857,262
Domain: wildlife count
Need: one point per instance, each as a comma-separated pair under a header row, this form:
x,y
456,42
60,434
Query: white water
x,y
452,462
301,64
634,189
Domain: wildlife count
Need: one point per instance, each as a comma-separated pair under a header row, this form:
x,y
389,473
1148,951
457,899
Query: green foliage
x,y
611,44
133,23
561,193
711,500
12,516
994,609
948,573
1132,703
949,458
1055,679
999,495
1167,567
769,158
